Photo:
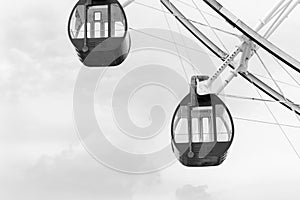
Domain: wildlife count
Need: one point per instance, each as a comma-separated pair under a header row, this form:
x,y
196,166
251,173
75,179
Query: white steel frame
x,y
247,48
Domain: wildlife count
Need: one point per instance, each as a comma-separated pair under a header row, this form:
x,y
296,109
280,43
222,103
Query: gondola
x,y
99,32
202,129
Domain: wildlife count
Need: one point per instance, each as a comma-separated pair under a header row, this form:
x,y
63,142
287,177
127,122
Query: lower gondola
x,y
202,129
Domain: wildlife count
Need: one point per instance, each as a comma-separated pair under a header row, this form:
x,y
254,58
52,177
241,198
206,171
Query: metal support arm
x,y
247,51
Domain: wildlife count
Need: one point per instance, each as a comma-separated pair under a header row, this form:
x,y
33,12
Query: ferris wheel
x,y
202,128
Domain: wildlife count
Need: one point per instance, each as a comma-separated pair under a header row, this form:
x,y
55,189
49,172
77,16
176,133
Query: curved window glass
x,y
180,127
103,21
118,23
77,23
223,123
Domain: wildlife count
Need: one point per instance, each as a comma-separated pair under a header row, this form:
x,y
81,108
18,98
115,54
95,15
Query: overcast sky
x,y
41,155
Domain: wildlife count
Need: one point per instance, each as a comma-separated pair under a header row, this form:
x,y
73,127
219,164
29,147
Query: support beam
x,y
253,35
268,16
281,20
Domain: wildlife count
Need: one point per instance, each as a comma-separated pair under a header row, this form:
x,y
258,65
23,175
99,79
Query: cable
x,y
269,73
280,90
292,78
166,40
285,83
173,42
187,52
269,109
254,99
265,122
180,59
286,71
218,38
196,22
207,13
280,126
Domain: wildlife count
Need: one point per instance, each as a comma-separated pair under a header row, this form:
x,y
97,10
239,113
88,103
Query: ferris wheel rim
x,y
253,35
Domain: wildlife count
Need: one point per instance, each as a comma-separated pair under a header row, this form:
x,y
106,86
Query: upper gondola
x,y
202,129
99,32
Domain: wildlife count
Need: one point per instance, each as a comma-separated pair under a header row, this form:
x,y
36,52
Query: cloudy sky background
x,y
41,155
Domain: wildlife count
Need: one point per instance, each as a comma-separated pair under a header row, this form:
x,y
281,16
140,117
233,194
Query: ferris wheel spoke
x,y
279,88
191,20
180,59
207,13
207,22
254,99
169,41
281,127
288,73
278,81
184,44
265,122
